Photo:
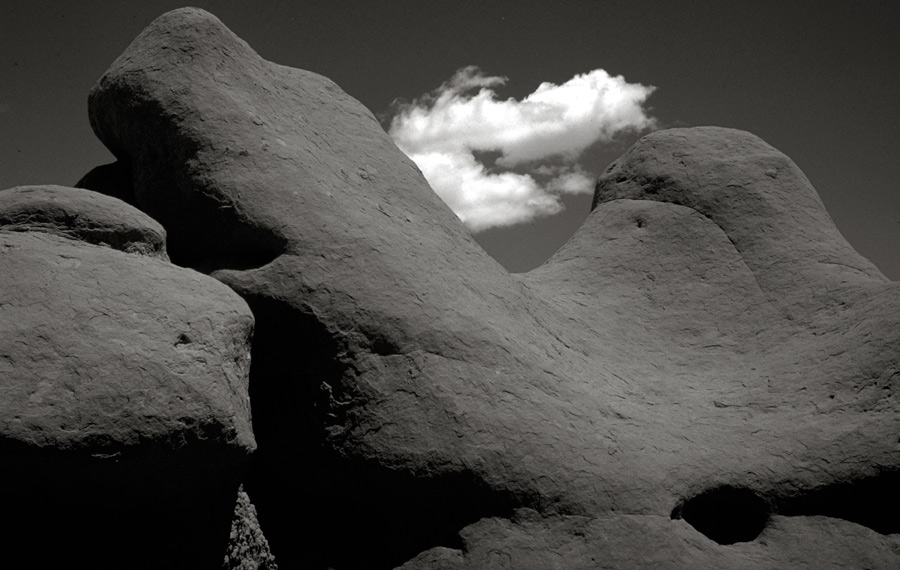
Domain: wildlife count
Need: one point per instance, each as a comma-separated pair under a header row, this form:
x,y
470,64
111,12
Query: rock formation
x,y
82,216
705,376
248,548
124,416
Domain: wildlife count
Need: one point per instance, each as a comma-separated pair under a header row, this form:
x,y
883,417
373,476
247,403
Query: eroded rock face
x,y
706,353
124,414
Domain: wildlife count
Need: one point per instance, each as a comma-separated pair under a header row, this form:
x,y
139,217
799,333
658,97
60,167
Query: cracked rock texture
x,y
705,376
124,412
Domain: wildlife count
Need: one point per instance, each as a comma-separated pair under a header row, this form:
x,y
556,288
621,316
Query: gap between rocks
x,y
317,508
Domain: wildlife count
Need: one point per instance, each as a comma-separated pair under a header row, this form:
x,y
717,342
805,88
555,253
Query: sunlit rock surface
x,y
81,215
124,410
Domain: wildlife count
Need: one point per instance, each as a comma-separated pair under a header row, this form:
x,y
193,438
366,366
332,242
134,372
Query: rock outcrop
x,y
81,215
705,376
124,414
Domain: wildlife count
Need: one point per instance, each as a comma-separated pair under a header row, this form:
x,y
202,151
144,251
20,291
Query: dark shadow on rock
x,y
728,514
113,179
725,514
873,502
356,514
114,511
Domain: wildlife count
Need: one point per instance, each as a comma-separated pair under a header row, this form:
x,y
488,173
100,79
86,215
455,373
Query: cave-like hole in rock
x,y
725,514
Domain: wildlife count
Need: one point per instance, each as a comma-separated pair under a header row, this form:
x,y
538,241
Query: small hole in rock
x,y
725,514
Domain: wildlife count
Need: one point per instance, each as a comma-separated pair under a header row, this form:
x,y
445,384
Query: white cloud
x,y
440,131
484,200
571,182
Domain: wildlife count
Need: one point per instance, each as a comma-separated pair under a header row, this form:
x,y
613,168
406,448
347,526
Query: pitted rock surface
x,y
124,412
705,353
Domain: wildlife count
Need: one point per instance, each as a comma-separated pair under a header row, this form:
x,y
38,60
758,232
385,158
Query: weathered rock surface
x,y
248,548
81,215
124,413
704,377
759,198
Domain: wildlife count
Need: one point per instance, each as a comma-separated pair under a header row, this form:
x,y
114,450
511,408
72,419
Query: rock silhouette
x,y
705,376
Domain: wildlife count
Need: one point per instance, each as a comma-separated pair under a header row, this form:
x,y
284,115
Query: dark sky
x,y
817,80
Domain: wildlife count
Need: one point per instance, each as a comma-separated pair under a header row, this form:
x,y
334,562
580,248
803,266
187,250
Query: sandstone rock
x,y
124,414
81,215
638,542
248,548
673,369
758,197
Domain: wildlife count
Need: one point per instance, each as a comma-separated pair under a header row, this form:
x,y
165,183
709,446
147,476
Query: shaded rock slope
x,y
705,376
124,412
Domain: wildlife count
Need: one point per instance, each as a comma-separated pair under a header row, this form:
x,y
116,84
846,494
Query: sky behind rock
x,y
547,131
818,82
